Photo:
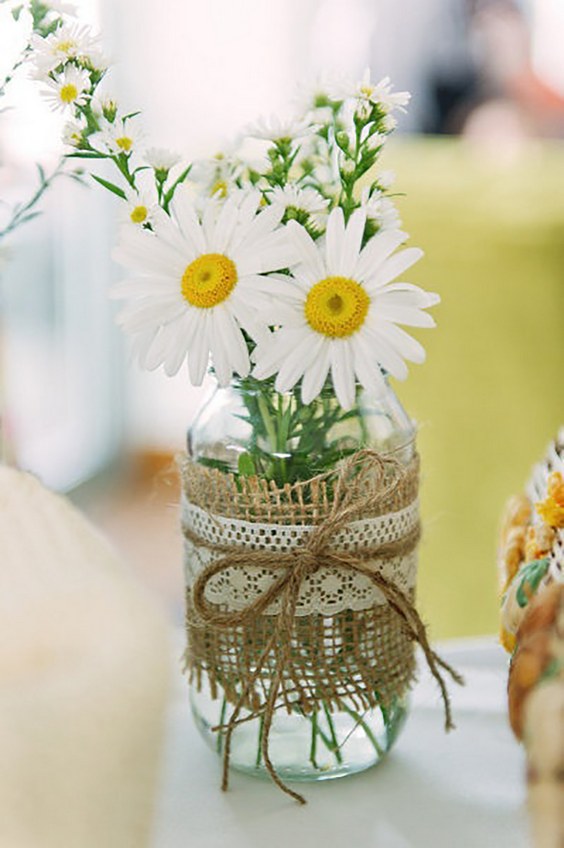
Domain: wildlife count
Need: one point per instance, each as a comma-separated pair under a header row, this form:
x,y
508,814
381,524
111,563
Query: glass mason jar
x,y
248,428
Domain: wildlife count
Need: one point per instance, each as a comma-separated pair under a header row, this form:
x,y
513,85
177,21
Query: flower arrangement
x,y
280,272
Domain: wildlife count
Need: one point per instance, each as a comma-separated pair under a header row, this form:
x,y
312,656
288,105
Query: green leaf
x,y
131,115
246,465
89,154
16,12
529,577
110,186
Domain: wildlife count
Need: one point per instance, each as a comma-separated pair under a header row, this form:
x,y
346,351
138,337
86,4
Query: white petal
x,y
342,372
224,228
394,266
187,218
297,360
404,344
411,316
384,353
350,247
376,251
231,339
334,236
367,369
306,250
315,376
199,354
144,253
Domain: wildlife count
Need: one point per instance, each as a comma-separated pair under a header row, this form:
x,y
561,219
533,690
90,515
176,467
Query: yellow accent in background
x,y
490,396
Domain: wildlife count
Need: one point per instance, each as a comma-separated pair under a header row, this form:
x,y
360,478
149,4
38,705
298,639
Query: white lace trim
x,y
329,591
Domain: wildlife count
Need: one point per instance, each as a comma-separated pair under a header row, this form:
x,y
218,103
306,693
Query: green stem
x,y
334,743
259,746
313,746
222,715
361,723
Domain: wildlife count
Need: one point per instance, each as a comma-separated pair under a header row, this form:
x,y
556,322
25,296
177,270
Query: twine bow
x,y
380,478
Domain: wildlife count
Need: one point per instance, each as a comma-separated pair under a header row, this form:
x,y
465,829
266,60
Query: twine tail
x,y
268,716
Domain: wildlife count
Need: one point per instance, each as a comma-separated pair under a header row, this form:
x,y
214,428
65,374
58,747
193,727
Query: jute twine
x,y
264,662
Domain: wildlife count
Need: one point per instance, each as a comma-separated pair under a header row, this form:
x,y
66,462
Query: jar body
x,y
248,430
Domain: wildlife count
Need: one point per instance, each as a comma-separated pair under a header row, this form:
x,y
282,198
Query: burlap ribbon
x,y
316,551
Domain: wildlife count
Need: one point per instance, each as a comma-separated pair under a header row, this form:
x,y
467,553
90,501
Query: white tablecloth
x,y
464,789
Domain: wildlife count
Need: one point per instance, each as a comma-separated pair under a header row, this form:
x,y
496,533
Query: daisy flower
x,y
294,199
69,89
380,209
74,133
276,128
380,93
142,206
340,310
120,137
105,105
197,281
218,176
67,42
161,159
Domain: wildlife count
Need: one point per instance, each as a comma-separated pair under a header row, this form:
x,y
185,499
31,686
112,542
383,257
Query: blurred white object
x,y
85,664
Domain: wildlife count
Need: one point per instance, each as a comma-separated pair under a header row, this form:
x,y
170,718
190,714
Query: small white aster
x,y
197,282
306,200
120,137
339,312
218,176
379,93
69,89
280,128
73,133
141,206
105,105
161,159
380,209
68,42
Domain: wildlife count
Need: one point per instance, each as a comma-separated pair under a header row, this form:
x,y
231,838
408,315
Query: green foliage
x,y
529,577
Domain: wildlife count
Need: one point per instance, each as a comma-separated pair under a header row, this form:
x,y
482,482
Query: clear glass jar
x,y
248,428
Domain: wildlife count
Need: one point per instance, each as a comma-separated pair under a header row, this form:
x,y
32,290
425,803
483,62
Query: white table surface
x,y
464,789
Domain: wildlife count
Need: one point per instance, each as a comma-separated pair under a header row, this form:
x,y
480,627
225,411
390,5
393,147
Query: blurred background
x,y
480,169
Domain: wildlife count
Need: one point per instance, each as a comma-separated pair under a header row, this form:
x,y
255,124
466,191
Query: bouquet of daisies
x,y
278,270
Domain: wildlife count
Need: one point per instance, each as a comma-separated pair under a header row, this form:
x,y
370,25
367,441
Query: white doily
x,y
329,591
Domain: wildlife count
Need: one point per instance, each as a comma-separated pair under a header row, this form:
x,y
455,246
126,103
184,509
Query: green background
x,y
490,396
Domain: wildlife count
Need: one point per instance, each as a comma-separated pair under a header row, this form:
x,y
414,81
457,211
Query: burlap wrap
x,y
262,660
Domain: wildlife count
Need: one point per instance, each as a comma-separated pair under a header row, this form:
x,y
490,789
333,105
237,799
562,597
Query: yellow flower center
x,y
68,93
139,214
219,188
65,46
336,307
367,91
125,143
209,280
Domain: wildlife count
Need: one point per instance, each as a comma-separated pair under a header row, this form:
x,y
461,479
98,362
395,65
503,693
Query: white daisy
x,y
380,209
197,283
142,206
120,137
277,128
306,200
69,89
68,42
73,133
339,312
105,105
161,159
218,176
60,7
379,93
